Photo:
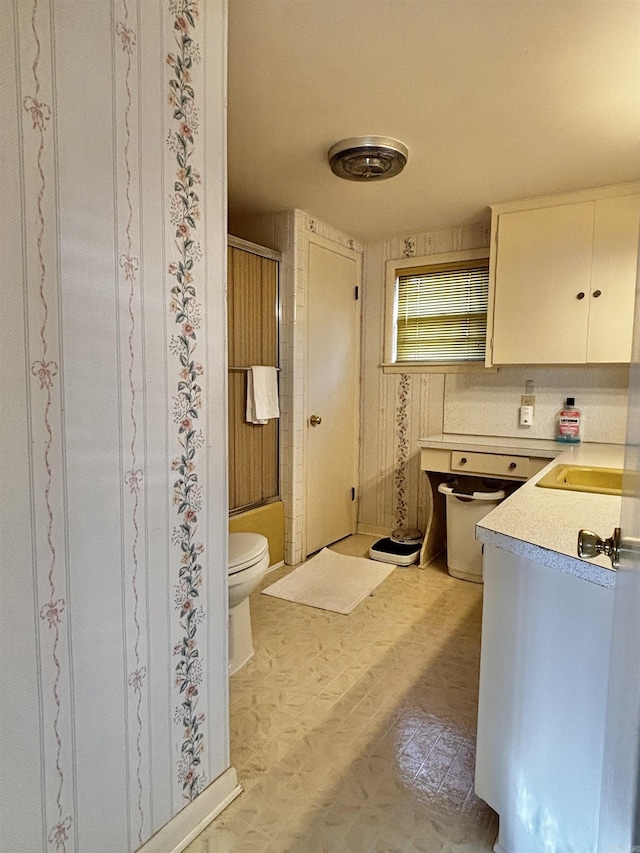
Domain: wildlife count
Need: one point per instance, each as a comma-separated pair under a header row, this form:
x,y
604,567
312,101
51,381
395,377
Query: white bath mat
x,y
331,581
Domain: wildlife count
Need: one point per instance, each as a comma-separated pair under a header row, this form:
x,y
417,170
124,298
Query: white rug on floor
x,y
331,581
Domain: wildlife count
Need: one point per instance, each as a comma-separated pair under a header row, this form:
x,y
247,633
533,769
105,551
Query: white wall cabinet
x,y
563,273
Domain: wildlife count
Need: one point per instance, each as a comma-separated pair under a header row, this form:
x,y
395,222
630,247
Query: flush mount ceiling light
x,y
367,158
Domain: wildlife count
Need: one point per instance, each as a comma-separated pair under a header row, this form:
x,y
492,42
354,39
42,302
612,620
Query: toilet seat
x,y
245,550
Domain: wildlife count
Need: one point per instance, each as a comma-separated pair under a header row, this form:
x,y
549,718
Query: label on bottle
x,y
569,425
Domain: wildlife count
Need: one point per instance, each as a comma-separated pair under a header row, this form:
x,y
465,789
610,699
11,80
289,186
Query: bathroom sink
x,y
583,478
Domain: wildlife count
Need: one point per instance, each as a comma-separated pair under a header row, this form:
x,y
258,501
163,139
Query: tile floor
x,y
356,734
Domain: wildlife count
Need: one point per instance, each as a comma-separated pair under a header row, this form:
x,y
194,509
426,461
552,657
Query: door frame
x,y
352,254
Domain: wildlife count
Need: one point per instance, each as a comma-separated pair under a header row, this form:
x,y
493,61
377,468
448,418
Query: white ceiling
x,y
496,100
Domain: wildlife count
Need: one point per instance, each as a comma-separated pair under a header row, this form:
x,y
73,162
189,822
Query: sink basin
x,y
583,478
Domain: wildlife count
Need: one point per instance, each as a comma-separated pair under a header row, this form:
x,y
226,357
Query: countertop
x,y
542,524
542,447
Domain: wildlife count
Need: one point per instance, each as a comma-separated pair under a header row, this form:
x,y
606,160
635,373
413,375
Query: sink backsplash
x,y
488,404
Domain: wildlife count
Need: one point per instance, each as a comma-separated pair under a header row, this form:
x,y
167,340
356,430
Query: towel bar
x,y
246,368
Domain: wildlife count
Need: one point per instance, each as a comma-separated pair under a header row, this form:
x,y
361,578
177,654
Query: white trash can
x,y
467,504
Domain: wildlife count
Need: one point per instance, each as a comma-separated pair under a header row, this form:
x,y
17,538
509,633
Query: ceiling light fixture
x,y
367,158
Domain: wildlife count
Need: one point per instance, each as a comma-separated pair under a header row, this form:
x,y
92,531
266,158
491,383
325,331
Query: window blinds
x,y
442,312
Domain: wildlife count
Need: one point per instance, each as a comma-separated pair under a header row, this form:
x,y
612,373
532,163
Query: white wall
x,y
488,403
113,529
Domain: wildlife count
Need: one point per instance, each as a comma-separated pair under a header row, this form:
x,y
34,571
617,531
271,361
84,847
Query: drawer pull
x,y
463,461
513,466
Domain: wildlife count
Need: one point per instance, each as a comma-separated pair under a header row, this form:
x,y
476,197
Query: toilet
x,y
248,564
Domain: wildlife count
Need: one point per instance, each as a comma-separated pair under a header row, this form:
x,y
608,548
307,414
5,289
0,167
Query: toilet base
x,y
240,636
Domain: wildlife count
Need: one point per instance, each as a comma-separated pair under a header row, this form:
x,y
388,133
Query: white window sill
x,y
432,367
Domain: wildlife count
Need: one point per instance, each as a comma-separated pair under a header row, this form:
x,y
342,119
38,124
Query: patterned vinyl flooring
x,y
356,734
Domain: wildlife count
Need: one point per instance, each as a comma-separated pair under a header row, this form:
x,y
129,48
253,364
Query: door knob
x,y
314,420
590,545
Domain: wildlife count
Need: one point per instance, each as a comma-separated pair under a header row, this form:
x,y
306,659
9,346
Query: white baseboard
x,y
275,566
189,823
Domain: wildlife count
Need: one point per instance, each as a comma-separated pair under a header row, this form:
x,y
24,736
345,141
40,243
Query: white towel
x,y
262,394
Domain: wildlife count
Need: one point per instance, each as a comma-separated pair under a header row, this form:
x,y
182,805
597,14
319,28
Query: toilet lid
x,y
245,549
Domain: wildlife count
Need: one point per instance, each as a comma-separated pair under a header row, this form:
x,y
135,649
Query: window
x,y
440,311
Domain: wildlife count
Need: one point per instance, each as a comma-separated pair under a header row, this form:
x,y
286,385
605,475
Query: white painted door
x,y
332,394
620,801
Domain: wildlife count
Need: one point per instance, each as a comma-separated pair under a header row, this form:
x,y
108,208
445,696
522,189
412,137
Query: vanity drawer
x,y
498,465
490,464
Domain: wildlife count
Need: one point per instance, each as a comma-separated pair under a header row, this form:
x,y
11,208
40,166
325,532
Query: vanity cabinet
x,y
487,457
563,274
544,665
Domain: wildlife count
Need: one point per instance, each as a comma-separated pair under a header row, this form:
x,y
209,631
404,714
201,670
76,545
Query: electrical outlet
x,y
527,400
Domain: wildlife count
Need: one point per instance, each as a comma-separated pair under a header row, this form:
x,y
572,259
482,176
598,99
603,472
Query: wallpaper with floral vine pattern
x,y
114,538
184,214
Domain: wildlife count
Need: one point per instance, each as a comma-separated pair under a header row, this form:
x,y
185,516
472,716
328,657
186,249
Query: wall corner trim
x,y
181,830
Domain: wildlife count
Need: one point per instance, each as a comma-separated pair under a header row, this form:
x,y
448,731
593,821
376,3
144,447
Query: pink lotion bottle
x,y
569,423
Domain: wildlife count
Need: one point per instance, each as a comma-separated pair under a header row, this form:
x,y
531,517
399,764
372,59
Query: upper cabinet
x,y
562,278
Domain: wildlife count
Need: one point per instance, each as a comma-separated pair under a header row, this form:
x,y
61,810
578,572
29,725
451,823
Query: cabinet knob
x,y
513,466
580,295
597,293
463,461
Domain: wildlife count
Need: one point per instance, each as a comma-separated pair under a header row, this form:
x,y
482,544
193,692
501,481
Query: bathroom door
x,y
332,393
620,803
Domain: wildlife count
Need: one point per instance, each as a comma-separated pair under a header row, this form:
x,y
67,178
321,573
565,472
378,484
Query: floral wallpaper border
x,y
402,449
184,215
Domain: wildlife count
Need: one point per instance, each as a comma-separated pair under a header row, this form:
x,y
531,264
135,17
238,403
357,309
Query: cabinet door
x,y
612,294
543,265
